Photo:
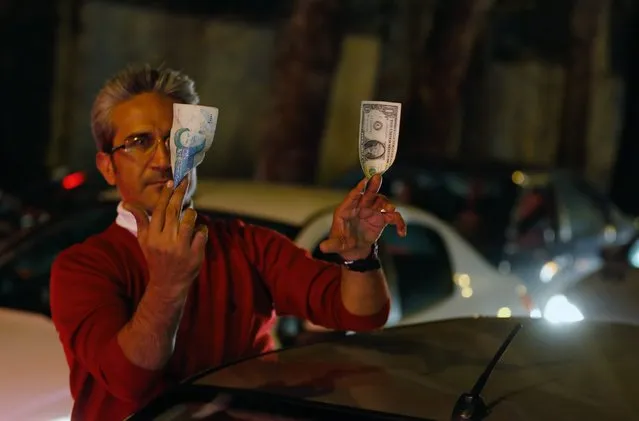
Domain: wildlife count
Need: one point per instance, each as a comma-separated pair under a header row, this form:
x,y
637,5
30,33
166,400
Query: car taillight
x,y
73,180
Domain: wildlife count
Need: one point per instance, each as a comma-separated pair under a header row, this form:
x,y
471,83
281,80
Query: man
x,y
164,293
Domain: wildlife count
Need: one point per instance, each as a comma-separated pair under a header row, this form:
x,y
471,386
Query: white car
x,y
433,273
35,375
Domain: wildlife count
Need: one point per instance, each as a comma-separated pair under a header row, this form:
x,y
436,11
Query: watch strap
x,y
369,263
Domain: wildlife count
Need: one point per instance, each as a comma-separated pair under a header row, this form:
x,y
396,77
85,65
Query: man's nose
x,y
161,157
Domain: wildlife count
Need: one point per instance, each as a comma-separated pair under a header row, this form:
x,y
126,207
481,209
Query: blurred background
x,y
519,124
536,82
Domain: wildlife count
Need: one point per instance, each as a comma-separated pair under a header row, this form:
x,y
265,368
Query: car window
x,y
289,231
420,262
24,278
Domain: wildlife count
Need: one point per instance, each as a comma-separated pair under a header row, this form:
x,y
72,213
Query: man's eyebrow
x,y
143,133
140,133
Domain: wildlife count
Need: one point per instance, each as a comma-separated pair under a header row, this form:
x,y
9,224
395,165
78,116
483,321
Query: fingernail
x,y
169,183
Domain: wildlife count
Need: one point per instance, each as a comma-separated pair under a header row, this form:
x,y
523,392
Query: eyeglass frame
x,y
156,142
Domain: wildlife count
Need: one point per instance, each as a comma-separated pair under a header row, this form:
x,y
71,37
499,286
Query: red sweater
x,y
248,273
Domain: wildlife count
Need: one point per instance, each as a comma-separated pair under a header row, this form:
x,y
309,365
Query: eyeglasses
x,y
141,144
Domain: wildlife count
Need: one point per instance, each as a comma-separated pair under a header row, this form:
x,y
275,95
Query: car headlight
x,y
559,310
633,254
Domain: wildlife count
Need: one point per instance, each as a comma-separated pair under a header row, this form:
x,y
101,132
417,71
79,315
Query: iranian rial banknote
x,y
191,136
378,135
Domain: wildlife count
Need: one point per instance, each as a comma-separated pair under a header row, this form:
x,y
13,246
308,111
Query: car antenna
x,y
471,406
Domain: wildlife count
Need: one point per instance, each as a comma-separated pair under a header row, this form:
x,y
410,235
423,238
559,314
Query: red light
x,y
73,180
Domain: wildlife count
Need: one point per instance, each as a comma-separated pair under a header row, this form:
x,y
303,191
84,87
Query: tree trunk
x,y
573,139
456,26
308,53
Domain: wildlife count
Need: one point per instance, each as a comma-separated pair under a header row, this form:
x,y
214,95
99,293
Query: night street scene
x,y
319,210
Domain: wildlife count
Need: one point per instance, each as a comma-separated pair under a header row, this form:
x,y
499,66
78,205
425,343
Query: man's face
x,y
140,172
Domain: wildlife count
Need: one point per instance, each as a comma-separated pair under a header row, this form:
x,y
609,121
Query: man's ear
x,y
105,165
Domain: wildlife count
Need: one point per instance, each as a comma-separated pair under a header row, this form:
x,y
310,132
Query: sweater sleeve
x,y
88,309
302,286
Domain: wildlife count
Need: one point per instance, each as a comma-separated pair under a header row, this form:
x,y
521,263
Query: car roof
x,y
584,371
34,368
469,165
285,203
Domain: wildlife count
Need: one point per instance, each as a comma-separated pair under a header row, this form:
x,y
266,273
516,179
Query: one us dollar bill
x,y
378,135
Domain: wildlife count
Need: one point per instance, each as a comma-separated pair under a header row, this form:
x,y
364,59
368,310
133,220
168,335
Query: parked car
x,y
15,215
26,258
584,371
550,228
433,272
35,377
38,202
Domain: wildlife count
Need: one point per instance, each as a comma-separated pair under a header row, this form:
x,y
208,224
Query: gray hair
x,y
132,81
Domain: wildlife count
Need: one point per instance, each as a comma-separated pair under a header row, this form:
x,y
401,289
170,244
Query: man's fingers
x,y
174,208
362,194
199,239
395,218
187,225
367,200
370,192
389,207
381,203
352,198
374,184
157,218
359,188
141,218
332,245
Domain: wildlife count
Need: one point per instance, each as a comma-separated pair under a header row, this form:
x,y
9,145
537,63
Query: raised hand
x,y
172,245
360,219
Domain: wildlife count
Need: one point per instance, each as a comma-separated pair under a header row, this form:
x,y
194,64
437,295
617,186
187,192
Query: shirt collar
x,y
126,220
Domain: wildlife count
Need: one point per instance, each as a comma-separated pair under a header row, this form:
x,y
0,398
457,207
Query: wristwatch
x,y
370,262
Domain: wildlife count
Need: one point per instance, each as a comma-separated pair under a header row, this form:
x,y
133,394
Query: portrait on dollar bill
x,y
373,149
